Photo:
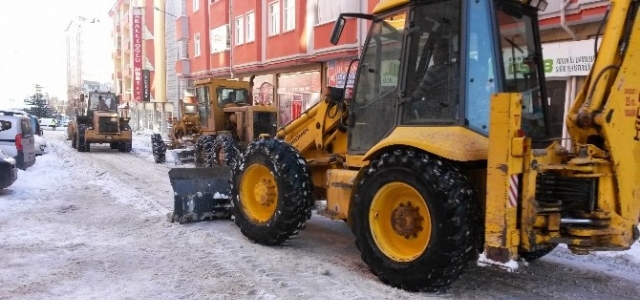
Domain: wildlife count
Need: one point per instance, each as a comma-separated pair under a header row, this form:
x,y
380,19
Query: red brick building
x,y
285,43
133,53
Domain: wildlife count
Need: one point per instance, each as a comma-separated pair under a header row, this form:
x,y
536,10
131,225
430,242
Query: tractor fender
x,y
454,143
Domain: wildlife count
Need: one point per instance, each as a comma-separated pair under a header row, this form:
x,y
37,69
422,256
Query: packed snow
x,y
93,226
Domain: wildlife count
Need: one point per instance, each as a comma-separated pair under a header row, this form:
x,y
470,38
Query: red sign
x,y
296,106
136,41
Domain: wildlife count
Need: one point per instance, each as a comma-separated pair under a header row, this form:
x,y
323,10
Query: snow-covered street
x,y
94,226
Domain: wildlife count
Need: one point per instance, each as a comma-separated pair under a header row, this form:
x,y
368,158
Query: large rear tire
x,y
416,220
271,192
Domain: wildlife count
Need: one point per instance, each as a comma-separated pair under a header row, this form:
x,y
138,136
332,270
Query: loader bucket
x,y
182,156
200,194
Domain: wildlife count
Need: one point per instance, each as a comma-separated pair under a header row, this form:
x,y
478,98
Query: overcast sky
x,y
33,49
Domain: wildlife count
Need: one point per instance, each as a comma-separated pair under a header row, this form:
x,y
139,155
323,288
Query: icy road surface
x,y
93,226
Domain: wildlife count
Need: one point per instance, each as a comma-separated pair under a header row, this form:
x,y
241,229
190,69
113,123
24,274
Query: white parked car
x,y
39,141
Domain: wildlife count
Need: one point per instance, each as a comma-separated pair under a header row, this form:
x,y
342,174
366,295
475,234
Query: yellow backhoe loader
x,y
443,158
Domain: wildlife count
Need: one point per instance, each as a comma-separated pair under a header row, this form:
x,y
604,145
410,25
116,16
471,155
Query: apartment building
x,y
284,43
73,43
134,52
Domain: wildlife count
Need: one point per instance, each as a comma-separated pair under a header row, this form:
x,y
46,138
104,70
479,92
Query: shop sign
x,y
136,40
564,59
337,73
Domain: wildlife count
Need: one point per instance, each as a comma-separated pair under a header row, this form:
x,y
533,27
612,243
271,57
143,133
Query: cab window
x,y
228,96
202,93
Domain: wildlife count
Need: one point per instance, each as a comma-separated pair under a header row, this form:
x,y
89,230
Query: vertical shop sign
x,y
136,40
146,85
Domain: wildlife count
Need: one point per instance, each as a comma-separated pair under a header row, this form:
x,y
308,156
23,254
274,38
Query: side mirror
x,y
5,125
337,29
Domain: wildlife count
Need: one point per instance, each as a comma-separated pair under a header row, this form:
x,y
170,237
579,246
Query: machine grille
x,y
571,193
106,126
264,122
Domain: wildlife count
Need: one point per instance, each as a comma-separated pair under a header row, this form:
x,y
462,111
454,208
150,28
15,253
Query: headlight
x,y
114,119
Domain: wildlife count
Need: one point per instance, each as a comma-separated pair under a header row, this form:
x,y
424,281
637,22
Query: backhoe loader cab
x,y
418,70
442,156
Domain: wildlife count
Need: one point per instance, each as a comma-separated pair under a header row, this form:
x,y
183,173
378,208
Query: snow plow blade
x,y
182,156
200,194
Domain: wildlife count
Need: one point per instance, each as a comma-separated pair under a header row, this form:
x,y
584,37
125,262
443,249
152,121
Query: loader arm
x,y
606,112
318,127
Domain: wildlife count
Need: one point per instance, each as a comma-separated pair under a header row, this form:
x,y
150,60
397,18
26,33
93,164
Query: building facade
x,y
73,43
285,45
134,62
568,29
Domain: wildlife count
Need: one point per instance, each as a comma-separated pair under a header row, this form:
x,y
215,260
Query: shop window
x,y
556,91
297,92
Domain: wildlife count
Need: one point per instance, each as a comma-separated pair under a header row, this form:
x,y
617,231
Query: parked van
x,y
40,142
18,141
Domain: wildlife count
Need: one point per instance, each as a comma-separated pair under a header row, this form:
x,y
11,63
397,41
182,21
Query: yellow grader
x,y
222,120
183,135
431,162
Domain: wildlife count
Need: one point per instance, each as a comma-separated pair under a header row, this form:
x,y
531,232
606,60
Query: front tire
x,y
81,144
158,148
224,151
125,147
416,220
204,152
271,192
